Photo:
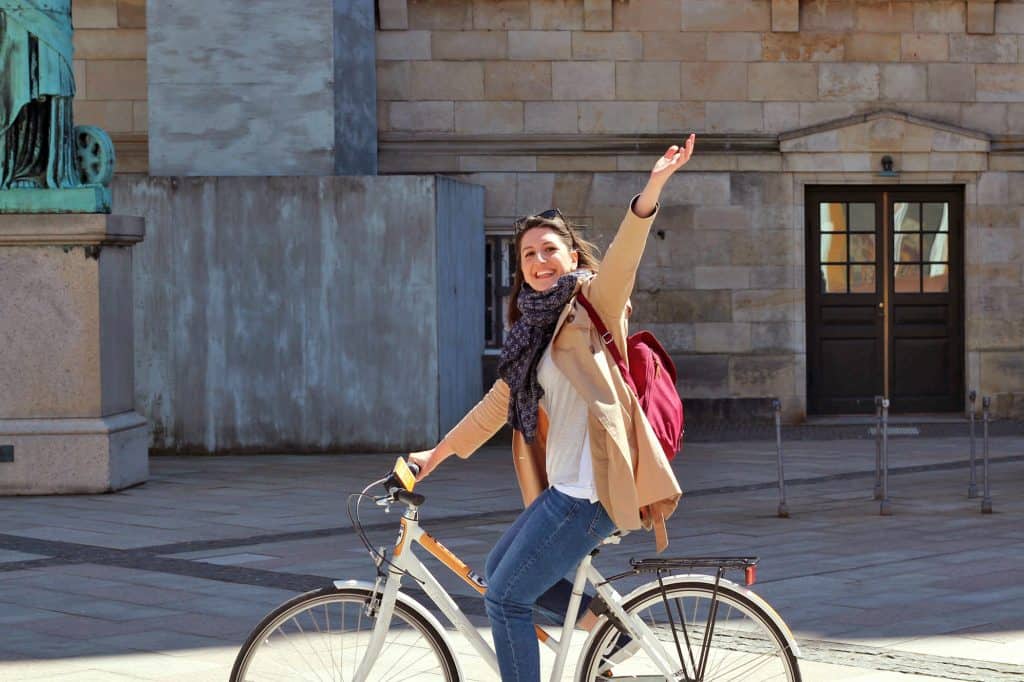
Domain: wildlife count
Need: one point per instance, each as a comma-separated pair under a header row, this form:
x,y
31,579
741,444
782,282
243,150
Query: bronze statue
x,y
40,149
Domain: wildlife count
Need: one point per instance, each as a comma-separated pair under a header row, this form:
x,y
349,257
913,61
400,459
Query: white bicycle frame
x,y
404,561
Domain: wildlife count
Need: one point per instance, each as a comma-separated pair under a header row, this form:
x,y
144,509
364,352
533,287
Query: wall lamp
x,y
887,171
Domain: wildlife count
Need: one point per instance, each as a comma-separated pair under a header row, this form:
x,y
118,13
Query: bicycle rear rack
x,y
747,564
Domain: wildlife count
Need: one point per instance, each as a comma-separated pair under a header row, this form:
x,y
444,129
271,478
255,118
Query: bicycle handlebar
x,y
413,499
399,486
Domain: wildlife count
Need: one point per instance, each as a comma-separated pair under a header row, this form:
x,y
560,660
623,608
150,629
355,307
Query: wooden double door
x,y
884,298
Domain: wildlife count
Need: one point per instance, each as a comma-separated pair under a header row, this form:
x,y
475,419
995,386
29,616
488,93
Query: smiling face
x,y
544,257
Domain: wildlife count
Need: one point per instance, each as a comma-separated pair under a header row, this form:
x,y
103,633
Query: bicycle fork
x,y
382,607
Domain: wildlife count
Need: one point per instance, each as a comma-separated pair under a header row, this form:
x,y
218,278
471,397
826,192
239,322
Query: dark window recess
x,y
501,267
6,453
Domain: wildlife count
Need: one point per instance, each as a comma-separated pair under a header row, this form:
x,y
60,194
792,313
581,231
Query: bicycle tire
x,y
746,644
290,642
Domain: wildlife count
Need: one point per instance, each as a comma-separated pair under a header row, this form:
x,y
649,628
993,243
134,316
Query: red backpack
x,y
652,376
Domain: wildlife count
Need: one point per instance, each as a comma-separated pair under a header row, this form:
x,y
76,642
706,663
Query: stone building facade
x,y
760,278
564,102
110,74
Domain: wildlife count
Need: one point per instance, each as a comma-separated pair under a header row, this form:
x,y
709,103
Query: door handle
x,y
881,309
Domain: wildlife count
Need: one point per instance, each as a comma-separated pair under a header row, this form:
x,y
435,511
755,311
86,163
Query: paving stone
x,y
820,550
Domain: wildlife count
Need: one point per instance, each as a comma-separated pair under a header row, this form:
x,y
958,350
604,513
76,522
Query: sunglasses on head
x,y
549,214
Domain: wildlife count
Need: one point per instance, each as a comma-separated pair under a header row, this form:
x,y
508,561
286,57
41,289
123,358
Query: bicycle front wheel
x,y
323,635
743,643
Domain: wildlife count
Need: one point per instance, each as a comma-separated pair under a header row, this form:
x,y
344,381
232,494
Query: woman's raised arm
x,y
614,283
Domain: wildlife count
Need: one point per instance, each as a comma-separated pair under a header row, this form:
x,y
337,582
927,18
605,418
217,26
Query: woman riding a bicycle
x,y
585,456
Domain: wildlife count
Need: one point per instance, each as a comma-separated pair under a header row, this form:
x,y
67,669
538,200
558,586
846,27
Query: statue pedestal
x,y
89,199
67,416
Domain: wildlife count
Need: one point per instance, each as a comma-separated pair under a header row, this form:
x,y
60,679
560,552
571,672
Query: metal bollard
x,y
986,501
878,447
972,485
783,509
884,508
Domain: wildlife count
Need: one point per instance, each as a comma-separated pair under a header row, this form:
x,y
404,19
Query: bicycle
x,y
692,627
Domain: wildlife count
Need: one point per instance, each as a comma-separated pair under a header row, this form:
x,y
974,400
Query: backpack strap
x,y
607,339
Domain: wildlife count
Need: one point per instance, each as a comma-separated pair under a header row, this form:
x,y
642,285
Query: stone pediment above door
x,y
858,143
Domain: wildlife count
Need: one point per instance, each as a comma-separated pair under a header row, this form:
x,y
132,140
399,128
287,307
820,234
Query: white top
x,y
569,466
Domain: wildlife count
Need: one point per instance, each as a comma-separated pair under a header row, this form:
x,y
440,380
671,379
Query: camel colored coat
x,y
633,478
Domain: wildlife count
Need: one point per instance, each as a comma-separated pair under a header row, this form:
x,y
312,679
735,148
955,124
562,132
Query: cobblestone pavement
x,y
163,581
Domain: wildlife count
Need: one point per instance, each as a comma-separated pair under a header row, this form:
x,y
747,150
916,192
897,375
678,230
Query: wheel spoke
x,y
297,642
742,645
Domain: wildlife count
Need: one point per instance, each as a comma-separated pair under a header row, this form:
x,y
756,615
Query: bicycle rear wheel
x,y
323,635
744,645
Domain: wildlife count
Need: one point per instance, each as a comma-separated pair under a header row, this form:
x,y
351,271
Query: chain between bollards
x,y
878,447
972,485
884,508
783,509
986,501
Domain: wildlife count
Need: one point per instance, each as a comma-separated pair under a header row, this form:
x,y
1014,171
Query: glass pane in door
x,y
906,278
862,248
936,277
935,216
862,217
833,248
862,279
833,279
906,247
906,217
833,217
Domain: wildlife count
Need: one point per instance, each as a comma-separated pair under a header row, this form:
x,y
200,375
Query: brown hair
x,y
588,257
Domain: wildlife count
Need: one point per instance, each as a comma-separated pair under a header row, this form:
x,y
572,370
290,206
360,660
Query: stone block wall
x,y
565,102
995,289
538,66
110,74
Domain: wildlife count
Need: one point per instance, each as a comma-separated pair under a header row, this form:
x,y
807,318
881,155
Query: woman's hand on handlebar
x,y
427,460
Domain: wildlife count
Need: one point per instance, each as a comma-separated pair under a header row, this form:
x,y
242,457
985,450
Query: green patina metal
x,y
47,165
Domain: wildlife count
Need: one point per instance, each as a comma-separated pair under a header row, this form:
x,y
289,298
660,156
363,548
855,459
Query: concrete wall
x,y
460,312
355,88
262,87
301,314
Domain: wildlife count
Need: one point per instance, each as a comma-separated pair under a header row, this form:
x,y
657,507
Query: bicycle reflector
x,y
750,574
404,475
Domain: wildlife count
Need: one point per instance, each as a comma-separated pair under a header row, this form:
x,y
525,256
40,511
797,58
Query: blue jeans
x,y
528,566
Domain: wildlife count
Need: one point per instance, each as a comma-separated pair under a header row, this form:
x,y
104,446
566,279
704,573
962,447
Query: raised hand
x,y
672,160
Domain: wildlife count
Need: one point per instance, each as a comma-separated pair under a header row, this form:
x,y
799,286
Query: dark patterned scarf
x,y
525,344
